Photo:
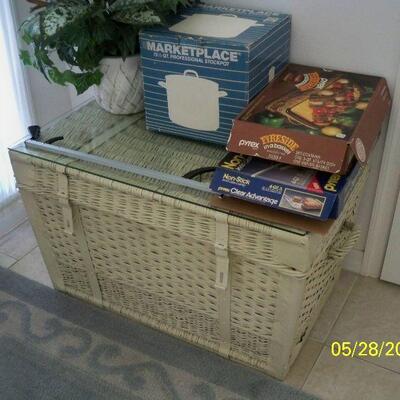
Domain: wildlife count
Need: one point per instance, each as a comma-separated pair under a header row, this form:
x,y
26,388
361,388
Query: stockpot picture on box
x,y
219,26
193,102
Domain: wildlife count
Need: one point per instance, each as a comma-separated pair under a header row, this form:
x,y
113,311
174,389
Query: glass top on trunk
x,y
121,149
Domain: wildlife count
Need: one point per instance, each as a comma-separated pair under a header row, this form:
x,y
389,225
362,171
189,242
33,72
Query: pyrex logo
x,y
332,183
249,143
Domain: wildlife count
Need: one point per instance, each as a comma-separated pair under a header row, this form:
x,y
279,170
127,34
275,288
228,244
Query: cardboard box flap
x,y
233,26
364,137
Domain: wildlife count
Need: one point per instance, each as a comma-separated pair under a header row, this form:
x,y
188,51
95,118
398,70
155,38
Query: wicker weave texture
x,y
66,247
267,244
153,258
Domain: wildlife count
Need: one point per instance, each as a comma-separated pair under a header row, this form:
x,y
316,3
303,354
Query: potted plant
x,y
97,42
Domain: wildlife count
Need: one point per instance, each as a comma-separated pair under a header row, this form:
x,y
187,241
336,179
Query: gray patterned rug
x,y
54,347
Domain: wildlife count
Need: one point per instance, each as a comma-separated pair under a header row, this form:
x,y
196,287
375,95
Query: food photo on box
x,y
314,118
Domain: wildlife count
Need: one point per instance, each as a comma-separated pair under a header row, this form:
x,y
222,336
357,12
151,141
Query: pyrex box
x,y
204,68
298,190
315,118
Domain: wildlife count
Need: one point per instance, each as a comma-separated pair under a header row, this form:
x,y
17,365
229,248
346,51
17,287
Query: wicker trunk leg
x,y
41,236
284,328
73,230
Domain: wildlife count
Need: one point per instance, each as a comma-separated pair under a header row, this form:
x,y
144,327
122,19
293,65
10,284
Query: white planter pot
x,y
121,89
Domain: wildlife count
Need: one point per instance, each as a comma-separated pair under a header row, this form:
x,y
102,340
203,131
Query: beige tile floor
x,y
358,309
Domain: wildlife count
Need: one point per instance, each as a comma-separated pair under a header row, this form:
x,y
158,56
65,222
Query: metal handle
x,y
118,165
162,84
222,94
258,25
349,236
190,72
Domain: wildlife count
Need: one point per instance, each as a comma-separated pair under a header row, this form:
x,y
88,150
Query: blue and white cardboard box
x,y
203,69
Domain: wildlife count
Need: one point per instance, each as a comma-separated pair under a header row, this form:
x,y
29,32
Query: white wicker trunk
x,y
158,259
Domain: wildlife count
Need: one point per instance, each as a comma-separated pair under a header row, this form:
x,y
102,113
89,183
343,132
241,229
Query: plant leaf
x,y
25,57
38,3
30,28
135,17
61,15
82,32
120,5
85,80
172,5
82,81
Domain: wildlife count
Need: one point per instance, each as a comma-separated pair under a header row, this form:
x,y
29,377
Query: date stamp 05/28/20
x,y
365,349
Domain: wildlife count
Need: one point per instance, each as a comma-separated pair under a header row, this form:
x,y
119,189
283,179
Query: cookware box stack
x,y
205,67
301,142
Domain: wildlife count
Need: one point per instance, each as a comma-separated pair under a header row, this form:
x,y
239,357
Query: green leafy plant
x,y
81,33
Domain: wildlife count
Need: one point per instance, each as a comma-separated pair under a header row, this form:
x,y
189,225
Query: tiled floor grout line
x,y
29,252
6,255
376,365
327,347
19,258
311,370
341,310
13,228
16,260
358,358
324,344
10,266
368,361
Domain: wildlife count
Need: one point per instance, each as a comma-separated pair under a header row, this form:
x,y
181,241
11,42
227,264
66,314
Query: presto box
x,y
315,118
298,190
202,69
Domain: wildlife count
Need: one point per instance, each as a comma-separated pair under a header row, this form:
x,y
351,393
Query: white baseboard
x,y
353,262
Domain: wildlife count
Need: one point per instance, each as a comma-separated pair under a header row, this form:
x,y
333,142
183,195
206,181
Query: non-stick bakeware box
x,y
203,68
303,191
314,118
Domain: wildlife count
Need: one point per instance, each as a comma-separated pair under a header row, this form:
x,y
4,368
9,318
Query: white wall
x,y
49,101
391,271
353,35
